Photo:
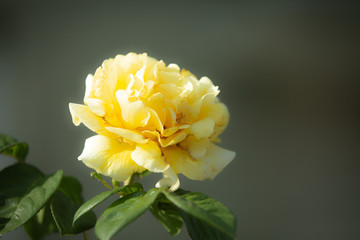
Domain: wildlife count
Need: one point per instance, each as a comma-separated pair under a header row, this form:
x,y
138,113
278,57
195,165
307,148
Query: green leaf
x,y
122,212
41,224
144,173
72,188
205,218
13,148
18,179
105,195
168,216
63,210
15,182
7,209
3,222
64,205
32,202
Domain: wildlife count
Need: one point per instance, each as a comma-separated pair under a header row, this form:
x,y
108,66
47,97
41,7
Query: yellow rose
x,y
151,116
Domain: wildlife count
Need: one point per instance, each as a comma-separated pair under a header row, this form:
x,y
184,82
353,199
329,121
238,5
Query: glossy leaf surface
x,y
10,146
122,212
33,201
205,218
65,203
105,195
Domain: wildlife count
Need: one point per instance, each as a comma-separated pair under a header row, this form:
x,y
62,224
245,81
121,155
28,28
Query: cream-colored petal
x,y
187,73
147,90
136,84
132,62
191,110
191,85
153,135
169,180
110,157
168,75
76,120
214,161
202,128
216,111
174,67
149,63
149,156
170,90
206,86
165,142
89,86
173,139
130,83
154,121
97,106
140,74
153,73
156,102
128,134
188,87
182,162
82,114
218,158
170,131
170,120
105,80
196,148
135,114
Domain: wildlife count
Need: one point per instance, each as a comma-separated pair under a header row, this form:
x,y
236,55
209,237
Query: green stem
x,y
135,177
115,183
86,236
106,184
130,180
99,178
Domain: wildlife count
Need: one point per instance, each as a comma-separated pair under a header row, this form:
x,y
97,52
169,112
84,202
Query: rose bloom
x,y
149,116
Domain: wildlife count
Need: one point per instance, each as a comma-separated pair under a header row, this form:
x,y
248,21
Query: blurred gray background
x,y
289,73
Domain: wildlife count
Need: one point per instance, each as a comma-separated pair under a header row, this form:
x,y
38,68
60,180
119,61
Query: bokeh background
x,y
289,73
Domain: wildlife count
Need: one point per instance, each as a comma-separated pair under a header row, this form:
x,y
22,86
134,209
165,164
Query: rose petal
x,y
170,180
149,156
155,121
209,166
206,86
196,148
216,111
128,134
135,114
89,86
106,78
170,120
110,157
169,131
173,139
203,128
170,90
182,162
165,142
169,75
156,102
82,114
97,106
218,158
